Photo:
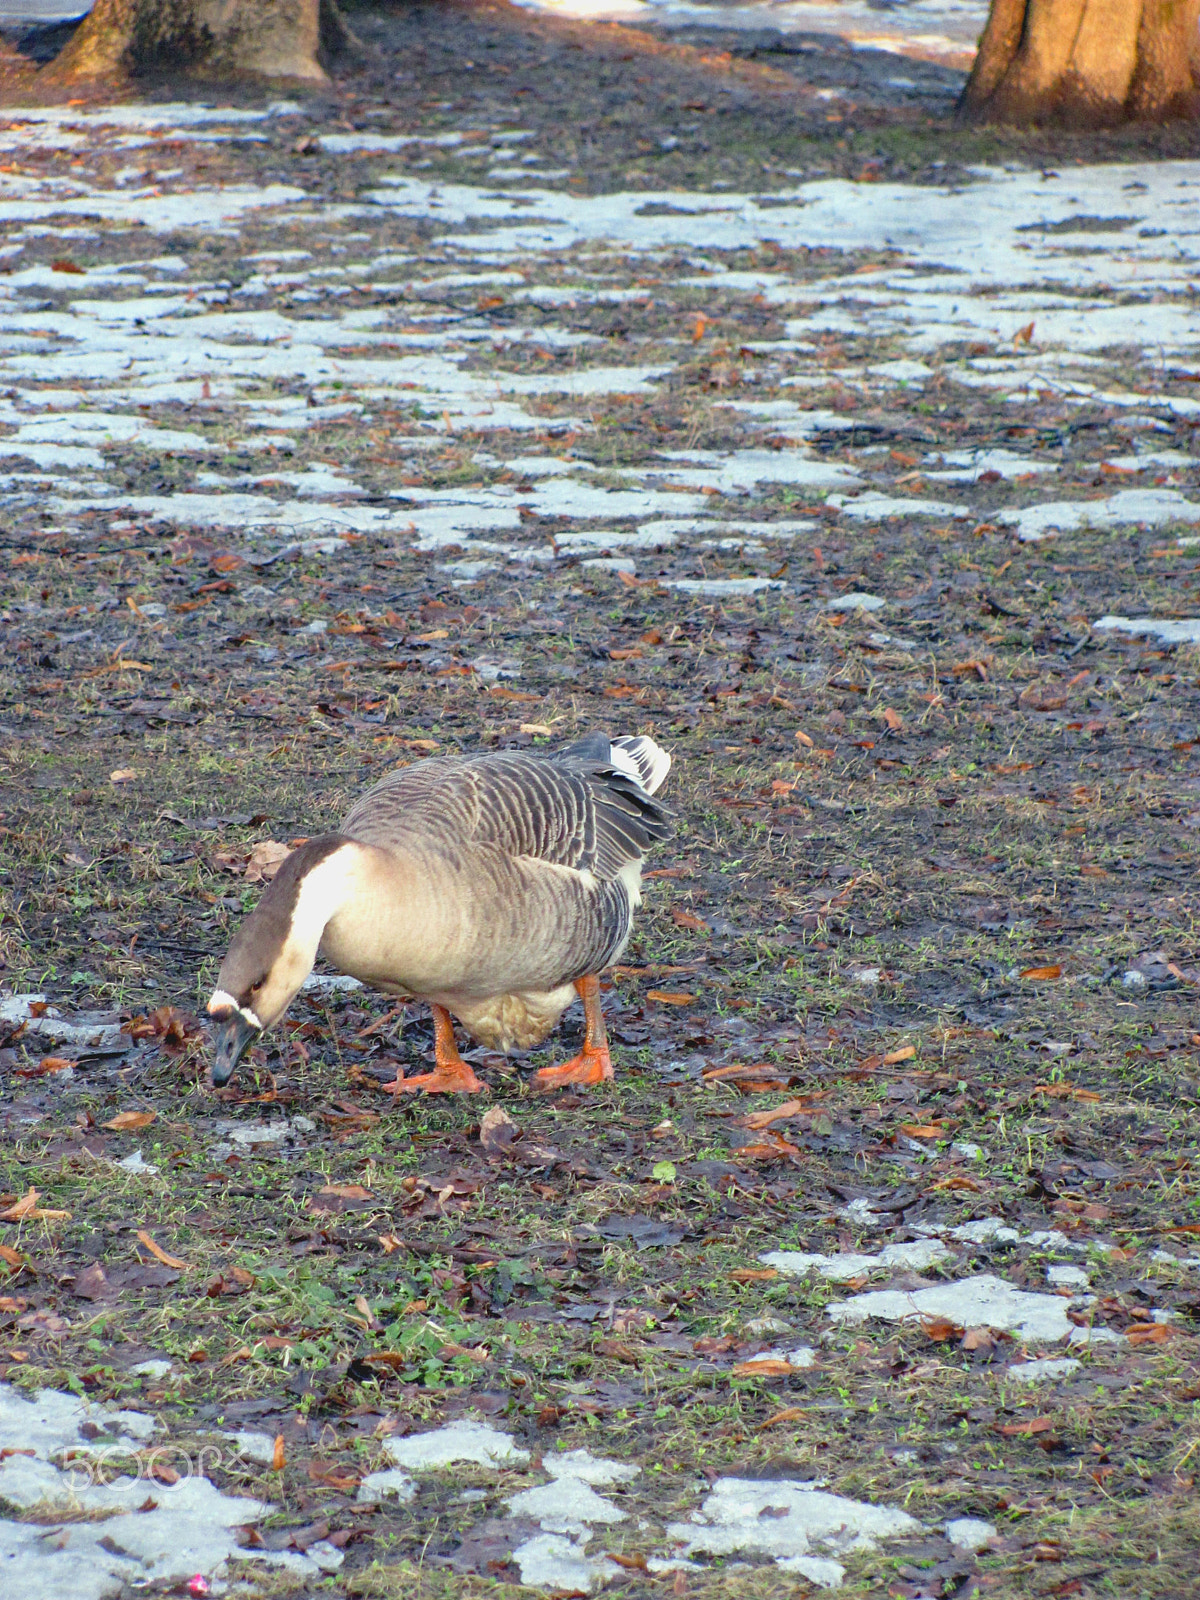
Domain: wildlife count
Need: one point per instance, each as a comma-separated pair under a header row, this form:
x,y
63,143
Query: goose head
x,y
274,949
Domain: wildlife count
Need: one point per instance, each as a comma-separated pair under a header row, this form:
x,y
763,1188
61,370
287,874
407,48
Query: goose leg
x,y
592,1064
451,1074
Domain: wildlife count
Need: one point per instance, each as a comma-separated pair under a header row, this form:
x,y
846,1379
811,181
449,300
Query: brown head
x,y
274,949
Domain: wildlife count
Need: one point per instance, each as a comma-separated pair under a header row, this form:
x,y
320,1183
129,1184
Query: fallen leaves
x,y
1025,1430
126,1121
1149,1333
670,997
160,1254
1042,974
790,1108
788,1414
763,1367
26,1209
1065,1091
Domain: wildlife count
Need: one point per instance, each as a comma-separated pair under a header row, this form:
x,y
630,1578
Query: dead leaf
x,y
941,1329
668,997
125,1120
278,1456
347,1191
11,1257
802,738
753,1274
1149,1333
685,919
1064,1091
618,1350
763,1119
160,1254
124,775
788,1414
905,1053
335,1475
1042,974
265,860
1020,1430
763,1367
21,1209
1025,335
497,1131
923,1130
893,719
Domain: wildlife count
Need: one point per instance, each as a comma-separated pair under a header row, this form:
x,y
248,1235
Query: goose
x,y
494,885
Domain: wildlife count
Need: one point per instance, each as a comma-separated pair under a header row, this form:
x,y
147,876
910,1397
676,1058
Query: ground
x,y
702,386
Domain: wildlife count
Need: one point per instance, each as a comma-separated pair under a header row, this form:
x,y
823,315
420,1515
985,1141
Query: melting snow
x,y
785,1519
1169,630
1046,1367
979,1302
914,1257
970,1533
190,1526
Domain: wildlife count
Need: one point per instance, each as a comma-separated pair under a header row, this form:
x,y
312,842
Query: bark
x,y
213,38
1085,63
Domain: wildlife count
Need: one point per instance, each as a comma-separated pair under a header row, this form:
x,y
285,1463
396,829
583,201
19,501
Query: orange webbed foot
x,y
442,1080
590,1066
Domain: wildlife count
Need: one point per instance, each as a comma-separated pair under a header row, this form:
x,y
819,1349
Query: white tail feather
x,y
646,762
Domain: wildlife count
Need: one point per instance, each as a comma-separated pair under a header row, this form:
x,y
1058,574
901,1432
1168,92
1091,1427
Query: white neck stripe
x,y
222,1000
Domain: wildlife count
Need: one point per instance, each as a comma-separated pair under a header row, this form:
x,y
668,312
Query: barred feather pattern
x,y
496,822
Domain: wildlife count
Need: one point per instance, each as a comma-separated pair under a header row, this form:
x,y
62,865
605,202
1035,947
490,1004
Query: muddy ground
x,y
931,897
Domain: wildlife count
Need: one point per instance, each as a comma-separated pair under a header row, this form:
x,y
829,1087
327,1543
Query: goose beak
x,y
232,1037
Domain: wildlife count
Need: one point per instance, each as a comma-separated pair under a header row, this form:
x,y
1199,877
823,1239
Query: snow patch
x,y
916,1256
979,1302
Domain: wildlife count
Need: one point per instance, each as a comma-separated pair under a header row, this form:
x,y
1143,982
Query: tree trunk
x,y
1086,63
213,38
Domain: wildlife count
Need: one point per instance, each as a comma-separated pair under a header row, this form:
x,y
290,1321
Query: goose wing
x,y
572,808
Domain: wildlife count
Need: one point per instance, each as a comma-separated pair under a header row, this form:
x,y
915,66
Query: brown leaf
x,y
893,719
685,919
347,1191
21,1209
51,1064
763,1119
941,1329
62,264
265,860
802,738
125,1120
91,1284
923,1130
788,1414
905,1053
753,1274
618,1350
160,1254
1064,1091
497,1131
336,1475
278,1457
762,1367
669,997
1025,335
1149,1333
1035,1425
1042,974
11,1257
